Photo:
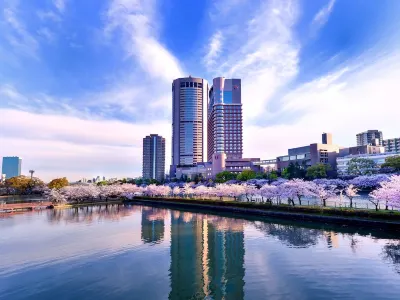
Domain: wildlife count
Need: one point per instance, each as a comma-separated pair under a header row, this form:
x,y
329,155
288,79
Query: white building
x,y
379,159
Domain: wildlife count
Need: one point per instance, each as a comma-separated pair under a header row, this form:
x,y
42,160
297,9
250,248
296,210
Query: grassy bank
x,y
322,214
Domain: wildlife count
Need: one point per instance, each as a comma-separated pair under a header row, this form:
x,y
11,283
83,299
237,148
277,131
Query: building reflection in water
x,y
152,229
207,257
391,253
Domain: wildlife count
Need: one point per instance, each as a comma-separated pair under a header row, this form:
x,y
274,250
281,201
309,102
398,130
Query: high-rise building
x,y
153,157
224,119
11,166
392,145
189,95
370,137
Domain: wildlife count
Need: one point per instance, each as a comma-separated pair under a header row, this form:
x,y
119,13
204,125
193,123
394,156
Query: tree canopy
x,y
360,166
246,175
318,171
392,162
23,184
58,183
224,176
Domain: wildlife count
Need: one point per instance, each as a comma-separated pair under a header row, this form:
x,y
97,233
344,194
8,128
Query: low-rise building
x,y
365,149
378,159
306,156
392,145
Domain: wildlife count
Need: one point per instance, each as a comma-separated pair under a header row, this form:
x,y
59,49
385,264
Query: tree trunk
x,y
351,202
376,206
324,202
386,206
299,197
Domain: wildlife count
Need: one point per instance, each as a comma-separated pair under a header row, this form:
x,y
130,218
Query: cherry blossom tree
x,y
270,192
250,191
55,196
388,192
300,188
351,191
322,192
369,182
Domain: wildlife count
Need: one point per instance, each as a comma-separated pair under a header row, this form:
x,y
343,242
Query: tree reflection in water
x,y
291,236
391,253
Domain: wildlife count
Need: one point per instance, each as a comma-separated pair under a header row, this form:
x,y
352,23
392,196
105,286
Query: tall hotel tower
x,y
189,95
225,119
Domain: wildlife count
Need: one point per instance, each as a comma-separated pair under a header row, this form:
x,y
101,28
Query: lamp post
x,y
31,171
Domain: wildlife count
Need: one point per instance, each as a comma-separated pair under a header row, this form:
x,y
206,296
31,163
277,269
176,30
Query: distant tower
x,y
370,137
153,157
31,172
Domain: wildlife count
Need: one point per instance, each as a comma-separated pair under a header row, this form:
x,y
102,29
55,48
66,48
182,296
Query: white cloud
x,y
46,33
135,20
214,49
55,145
349,101
16,33
322,16
264,54
48,15
60,5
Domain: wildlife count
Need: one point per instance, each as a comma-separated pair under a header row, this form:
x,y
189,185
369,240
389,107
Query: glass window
x,y
187,84
227,97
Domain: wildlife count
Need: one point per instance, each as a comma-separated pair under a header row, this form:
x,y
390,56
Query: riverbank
x,y
380,219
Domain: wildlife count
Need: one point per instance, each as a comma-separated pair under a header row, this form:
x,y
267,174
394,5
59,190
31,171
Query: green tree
x,y
58,183
294,170
224,176
318,171
392,162
360,166
246,175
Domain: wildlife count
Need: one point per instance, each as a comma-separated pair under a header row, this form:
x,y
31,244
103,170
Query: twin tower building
x,y
206,130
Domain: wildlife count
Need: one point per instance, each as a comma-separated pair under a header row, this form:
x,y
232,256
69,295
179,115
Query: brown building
x,y
306,156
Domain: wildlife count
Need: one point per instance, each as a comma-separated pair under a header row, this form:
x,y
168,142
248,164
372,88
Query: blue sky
x,y
82,82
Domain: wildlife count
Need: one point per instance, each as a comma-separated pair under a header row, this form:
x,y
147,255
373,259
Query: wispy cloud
x,y
214,49
264,54
46,33
136,21
48,15
60,5
344,102
322,16
16,33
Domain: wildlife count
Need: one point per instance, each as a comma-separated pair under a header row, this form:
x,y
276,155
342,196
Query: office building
x,y
366,149
153,157
312,154
189,95
378,159
391,145
224,119
370,137
11,166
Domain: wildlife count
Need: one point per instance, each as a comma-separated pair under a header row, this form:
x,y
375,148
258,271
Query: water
x,y
139,252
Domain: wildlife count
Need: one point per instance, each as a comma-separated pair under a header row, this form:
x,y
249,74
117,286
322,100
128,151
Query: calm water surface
x,y
140,252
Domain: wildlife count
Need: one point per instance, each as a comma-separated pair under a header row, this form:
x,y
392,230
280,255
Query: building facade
x,y
370,137
378,159
153,157
392,145
307,156
224,119
366,149
189,95
11,166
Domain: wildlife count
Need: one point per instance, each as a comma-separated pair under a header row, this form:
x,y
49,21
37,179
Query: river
x,y
143,252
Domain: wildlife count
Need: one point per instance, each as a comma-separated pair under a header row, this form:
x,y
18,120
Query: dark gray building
x,y
189,96
370,137
153,157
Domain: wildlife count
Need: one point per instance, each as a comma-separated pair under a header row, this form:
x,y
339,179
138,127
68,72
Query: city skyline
x,y
79,92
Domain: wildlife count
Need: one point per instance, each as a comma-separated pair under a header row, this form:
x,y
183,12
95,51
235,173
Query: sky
x,y
82,82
